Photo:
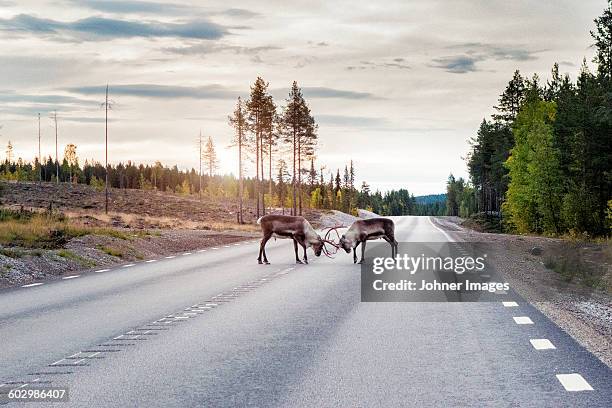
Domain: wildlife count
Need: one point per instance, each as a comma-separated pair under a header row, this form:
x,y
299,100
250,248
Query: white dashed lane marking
x,y
151,261
542,344
215,248
171,256
510,304
202,250
128,265
522,320
71,277
226,246
574,382
31,285
187,253
103,270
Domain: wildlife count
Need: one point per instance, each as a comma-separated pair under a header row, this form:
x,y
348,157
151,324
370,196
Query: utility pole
x,y
106,152
200,147
56,150
39,156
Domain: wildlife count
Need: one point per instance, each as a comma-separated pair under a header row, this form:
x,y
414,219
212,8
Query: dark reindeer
x,y
362,230
286,226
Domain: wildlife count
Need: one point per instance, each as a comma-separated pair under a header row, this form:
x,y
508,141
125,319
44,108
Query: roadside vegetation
x,y
29,229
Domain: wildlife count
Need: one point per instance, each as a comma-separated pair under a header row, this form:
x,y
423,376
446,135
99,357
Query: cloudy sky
x,y
397,86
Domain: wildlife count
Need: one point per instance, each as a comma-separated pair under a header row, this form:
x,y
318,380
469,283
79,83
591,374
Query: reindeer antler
x,y
326,240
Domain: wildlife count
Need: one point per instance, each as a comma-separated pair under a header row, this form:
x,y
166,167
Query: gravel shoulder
x,y
19,266
581,310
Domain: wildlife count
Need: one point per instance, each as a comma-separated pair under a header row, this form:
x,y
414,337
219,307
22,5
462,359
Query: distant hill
x,y
431,198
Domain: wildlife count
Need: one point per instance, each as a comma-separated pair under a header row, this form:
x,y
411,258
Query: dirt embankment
x,y
127,208
568,281
139,225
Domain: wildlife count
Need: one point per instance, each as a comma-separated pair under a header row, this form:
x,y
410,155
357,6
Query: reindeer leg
x,y
355,253
297,258
305,256
363,244
392,243
262,249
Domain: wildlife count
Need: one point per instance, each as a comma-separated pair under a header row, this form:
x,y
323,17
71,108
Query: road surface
x,y
214,328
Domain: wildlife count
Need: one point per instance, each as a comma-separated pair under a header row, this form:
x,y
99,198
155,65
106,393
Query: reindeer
x,y
287,226
362,230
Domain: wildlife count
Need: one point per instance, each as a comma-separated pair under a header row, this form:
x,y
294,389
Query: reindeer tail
x,y
259,220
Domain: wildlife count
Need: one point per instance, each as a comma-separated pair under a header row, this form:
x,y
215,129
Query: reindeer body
x,y
286,226
363,230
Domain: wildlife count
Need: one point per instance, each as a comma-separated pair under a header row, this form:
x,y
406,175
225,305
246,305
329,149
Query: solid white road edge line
x,y
31,285
448,237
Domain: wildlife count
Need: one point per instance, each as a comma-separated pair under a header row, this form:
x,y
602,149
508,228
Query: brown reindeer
x,y
362,230
286,226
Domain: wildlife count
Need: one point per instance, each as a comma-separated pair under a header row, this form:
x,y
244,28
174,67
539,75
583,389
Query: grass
x,y
66,254
484,222
12,253
46,231
110,251
572,268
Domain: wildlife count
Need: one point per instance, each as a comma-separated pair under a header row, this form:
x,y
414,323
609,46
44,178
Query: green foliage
x,y
535,190
546,155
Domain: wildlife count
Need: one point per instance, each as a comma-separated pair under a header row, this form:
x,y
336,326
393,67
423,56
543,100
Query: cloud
x,y
399,63
159,91
350,121
238,12
107,28
211,48
153,7
460,64
320,92
475,52
12,97
13,103
127,6
323,92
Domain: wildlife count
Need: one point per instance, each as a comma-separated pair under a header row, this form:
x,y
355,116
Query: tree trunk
x,y
261,155
294,207
240,182
257,164
299,170
270,170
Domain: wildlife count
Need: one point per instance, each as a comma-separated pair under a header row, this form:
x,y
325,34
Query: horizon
x,y
174,69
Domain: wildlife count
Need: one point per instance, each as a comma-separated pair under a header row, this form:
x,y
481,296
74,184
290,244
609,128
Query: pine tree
x,y
9,153
603,42
294,122
238,122
256,108
209,156
510,101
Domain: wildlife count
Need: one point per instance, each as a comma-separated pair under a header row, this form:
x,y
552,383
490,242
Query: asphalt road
x,y
214,328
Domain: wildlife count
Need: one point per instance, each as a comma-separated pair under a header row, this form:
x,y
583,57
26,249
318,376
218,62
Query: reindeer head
x,y
318,246
345,244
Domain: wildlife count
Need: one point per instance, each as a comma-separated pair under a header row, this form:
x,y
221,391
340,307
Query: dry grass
x,y
39,230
